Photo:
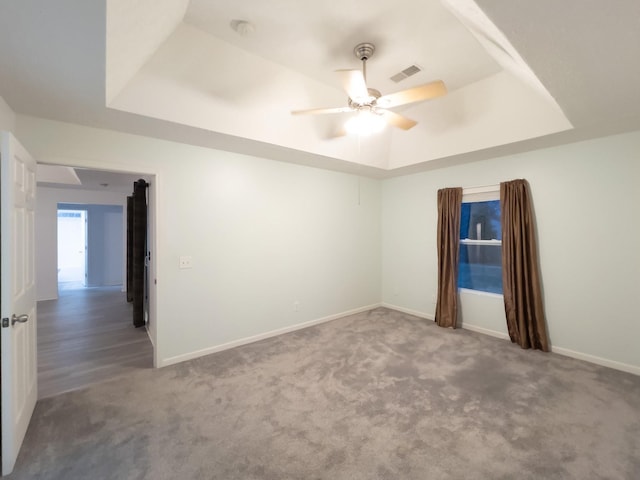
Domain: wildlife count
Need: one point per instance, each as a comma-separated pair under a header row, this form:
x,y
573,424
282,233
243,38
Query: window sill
x,y
481,293
468,241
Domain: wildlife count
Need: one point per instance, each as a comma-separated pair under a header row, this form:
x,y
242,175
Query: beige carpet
x,y
379,395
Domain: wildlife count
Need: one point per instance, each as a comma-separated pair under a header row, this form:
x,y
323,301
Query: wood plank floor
x,y
86,337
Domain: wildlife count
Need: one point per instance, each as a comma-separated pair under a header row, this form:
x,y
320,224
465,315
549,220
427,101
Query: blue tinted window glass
x,y
481,218
480,266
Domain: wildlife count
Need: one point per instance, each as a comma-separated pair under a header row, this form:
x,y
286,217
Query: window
x,y
69,214
480,266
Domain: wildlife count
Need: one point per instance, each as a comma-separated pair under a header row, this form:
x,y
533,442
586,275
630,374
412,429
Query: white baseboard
x,y
153,344
256,338
415,313
624,367
486,331
45,299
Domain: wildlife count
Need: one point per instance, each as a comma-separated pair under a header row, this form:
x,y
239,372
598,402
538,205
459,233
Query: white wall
x,y
7,117
586,199
111,270
262,235
47,200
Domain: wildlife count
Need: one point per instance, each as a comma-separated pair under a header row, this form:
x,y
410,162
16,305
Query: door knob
x,y
19,318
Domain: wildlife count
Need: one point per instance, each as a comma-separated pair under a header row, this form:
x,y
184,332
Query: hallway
x,y
86,337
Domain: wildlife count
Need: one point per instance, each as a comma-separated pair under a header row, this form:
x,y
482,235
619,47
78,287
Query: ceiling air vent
x,y
407,72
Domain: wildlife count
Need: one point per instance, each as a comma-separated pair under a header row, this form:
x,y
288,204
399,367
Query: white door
x,y
19,351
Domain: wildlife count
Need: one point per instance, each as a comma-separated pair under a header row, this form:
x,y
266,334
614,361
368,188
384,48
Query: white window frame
x,y
484,193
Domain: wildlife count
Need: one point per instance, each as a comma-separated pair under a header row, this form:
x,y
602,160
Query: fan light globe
x,y
365,123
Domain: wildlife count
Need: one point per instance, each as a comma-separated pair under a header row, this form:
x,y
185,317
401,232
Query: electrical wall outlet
x,y
186,262
296,306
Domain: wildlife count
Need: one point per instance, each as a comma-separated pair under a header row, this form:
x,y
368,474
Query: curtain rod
x,y
497,185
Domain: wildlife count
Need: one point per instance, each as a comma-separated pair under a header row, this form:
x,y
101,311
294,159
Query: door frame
x,y
152,229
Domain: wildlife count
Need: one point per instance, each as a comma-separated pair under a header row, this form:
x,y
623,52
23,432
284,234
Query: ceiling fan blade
x,y
314,111
354,84
411,95
397,120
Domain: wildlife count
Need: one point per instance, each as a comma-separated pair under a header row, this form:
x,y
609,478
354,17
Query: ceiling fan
x,y
371,106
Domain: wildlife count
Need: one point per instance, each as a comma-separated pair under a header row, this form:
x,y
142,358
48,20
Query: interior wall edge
x,y
7,117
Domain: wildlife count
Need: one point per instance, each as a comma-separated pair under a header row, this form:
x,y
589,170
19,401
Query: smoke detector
x,y
243,27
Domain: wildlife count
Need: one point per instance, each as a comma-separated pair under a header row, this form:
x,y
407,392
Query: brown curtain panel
x,y
449,206
521,284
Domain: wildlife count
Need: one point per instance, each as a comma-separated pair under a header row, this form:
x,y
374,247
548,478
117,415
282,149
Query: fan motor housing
x,y
364,51
374,95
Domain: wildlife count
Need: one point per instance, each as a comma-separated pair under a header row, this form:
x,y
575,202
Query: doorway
x,y
91,245
72,248
87,320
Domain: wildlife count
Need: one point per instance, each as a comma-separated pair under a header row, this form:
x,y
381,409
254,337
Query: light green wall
x,y
586,200
263,235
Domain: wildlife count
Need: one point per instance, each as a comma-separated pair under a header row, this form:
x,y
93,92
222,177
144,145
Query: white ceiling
x,y
521,74
56,176
316,38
